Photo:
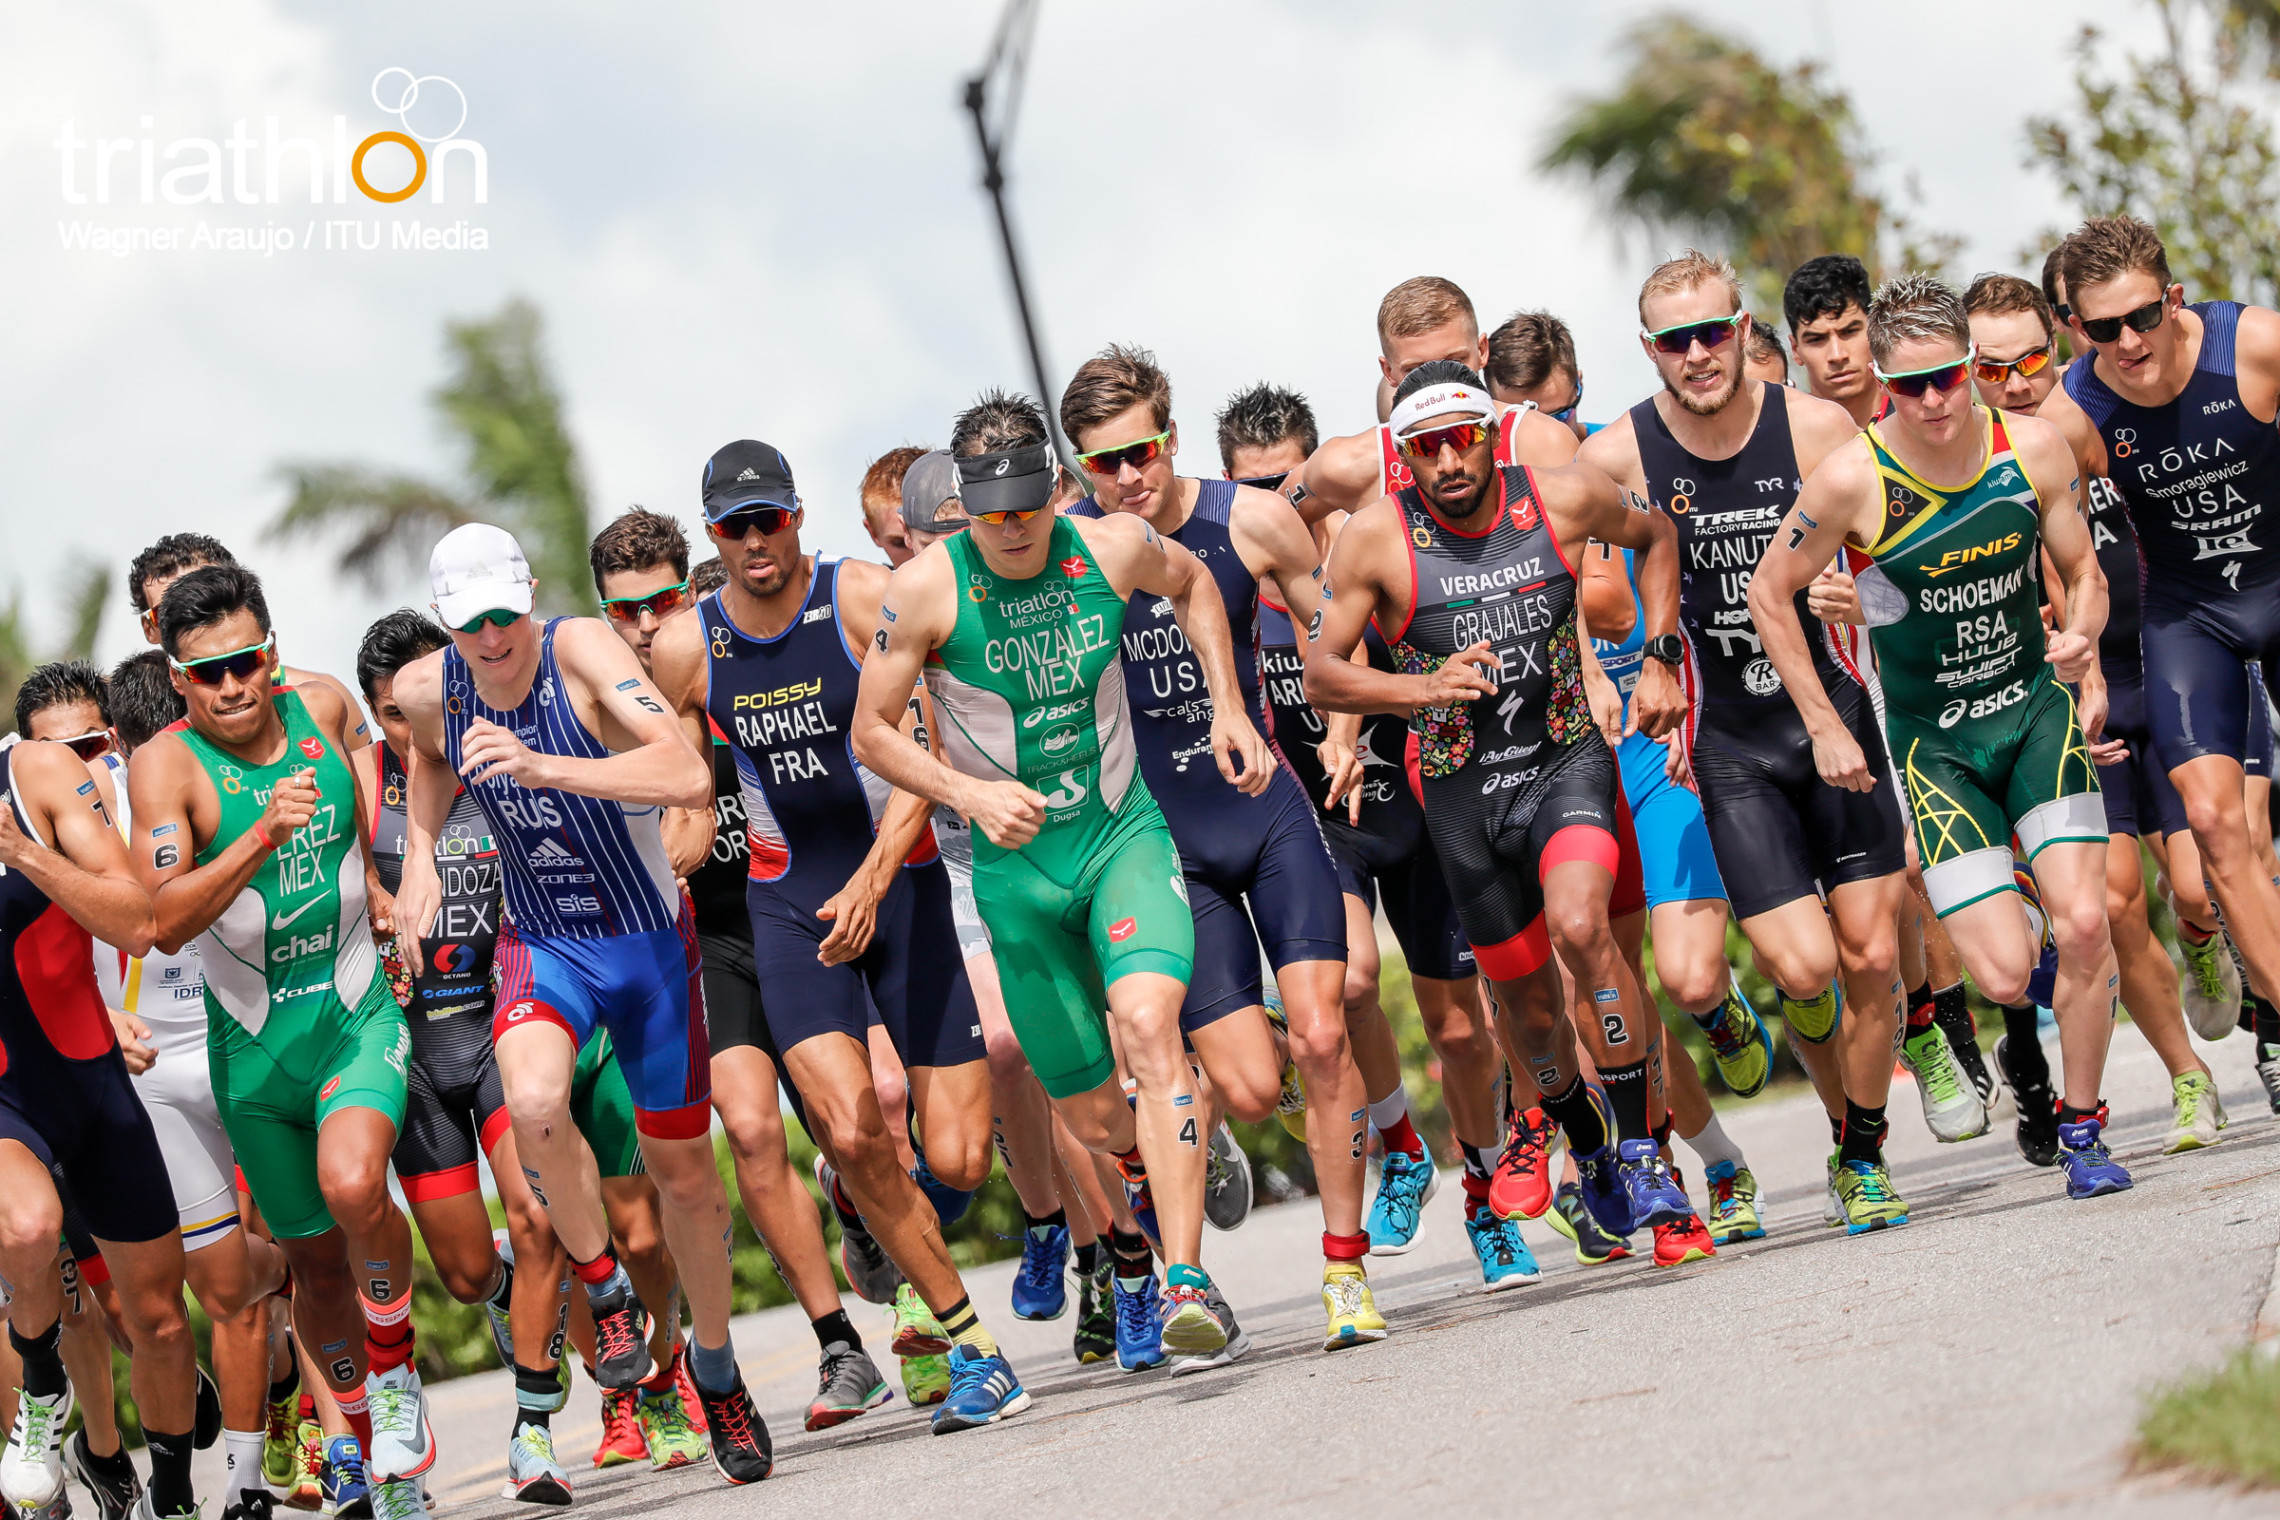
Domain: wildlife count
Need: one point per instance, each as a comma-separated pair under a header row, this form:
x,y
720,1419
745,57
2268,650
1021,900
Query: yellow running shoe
x,y
1354,1316
925,1379
308,1486
1290,1106
1815,1019
280,1441
1739,1041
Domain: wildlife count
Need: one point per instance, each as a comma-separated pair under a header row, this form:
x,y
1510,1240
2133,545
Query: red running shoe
x,y
1678,1244
622,1440
1522,1185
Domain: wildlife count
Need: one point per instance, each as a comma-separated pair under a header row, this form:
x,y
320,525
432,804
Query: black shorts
x,y
1418,906
454,1110
1495,844
733,1012
87,1126
913,974
2201,666
1779,831
2138,794
1295,909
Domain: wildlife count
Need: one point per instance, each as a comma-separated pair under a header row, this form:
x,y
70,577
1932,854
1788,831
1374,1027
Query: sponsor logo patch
x,y
1123,929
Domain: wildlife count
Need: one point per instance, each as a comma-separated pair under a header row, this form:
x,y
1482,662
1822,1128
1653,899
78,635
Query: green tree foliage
x,y
1702,139
502,406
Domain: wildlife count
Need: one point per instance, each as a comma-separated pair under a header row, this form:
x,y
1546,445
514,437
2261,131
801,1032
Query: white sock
x,y
1712,1144
241,1451
1389,1110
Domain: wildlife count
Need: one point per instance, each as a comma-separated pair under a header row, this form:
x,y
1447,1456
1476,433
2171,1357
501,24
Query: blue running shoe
x,y
2091,1170
345,1492
1139,1323
1405,1186
983,1391
1599,1177
1656,1198
1139,1198
1041,1286
1505,1260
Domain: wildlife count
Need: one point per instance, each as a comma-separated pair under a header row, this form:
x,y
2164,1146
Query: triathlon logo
x,y
977,590
2125,442
1420,535
400,93
1682,495
719,642
233,779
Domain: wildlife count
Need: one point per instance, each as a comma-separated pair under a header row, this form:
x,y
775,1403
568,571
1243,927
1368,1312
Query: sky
x,y
759,220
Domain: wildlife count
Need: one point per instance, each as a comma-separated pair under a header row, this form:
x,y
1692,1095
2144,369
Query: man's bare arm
x,y
1839,499
1355,589
86,871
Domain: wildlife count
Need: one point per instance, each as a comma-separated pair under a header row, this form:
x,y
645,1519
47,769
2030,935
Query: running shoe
x,y
1832,1206
741,1451
2042,982
403,1443
1739,1041
621,1334
2209,985
1953,1110
1964,1046
925,1380
917,1331
1406,1184
1226,1181
1290,1103
347,1495
1654,1196
1865,1190
1139,1323
1353,1310
1681,1242
1593,1246
622,1438
1599,1174
2268,1072
114,1485
862,1260
691,1405
401,1499
146,1508
2091,1170
1521,1185
502,1328
312,1468
1190,1326
207,1428
280,1441
1139,1197
1096,1315
2037,1104
1041,1283
533,1475
2198,1115
1733,1203
252,1504
665,1428
983,1391
57,1508
1505,1260
1815,1019
1237,1342
31,1467
847,1383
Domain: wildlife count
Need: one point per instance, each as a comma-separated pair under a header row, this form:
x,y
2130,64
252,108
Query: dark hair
x,y
1262,417
1997,294
392,643
1764,345
1436,372
2050,273
1528,349
171,556
1824,287
204,597
2108,247
1116,379
708,577
56,683
144,702
636,539
998,421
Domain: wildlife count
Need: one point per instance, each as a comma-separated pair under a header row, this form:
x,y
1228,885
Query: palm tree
x,y
1704,139
503,405
87,586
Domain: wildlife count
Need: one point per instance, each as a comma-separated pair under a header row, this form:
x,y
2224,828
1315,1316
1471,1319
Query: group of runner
x,y
1064,836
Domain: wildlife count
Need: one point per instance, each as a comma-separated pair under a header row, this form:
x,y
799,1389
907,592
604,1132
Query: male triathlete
x,y
1764,359
1015,625
245,830
849,908
2175,405
1950,504
1721,457
1466,576
1825,304
1531,362
572,755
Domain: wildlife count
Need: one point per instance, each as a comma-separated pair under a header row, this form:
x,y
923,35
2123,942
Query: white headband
x,y
1437,401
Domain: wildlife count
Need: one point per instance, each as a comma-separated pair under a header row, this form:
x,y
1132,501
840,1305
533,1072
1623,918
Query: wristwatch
x,y
1666,647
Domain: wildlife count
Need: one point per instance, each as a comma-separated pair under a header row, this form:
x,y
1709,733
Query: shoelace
x,y
281,1421
388,1410
731,1416
399,1500
312,1460
1874,1186
1132,1315
1037,1265
618,1414
1178,1298
536,1442
665,1411
615,1334
2206,969
39,1428
1401,1202
826,1375
1523,1152
1500,1236
1345,1293
1726,1032
1940,1079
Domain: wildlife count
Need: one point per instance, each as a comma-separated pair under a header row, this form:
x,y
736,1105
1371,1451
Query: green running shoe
x,y
2200,1113
1740,1042
917,1331
1733,1203
1593,1246
281,1440
673,1441
1865,1190
1814,1020
2209,986
1952,1109
925,1379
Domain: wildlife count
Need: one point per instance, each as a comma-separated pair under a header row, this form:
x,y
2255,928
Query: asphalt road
x,y
1988,1358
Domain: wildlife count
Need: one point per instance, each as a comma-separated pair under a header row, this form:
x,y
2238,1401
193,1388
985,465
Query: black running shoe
x,y
740,1445
208,1428
2038,1107
113,1483
621,1333
1096,1313
251,1504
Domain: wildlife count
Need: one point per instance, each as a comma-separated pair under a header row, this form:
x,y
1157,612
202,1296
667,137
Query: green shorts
x,y
601,1105
275,1091
2022,771
1059,944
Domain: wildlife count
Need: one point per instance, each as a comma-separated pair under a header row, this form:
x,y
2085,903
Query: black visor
x,y
1018,480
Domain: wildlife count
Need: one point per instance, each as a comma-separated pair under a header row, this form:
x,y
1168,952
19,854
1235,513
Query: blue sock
x,y
714,1367
949,1202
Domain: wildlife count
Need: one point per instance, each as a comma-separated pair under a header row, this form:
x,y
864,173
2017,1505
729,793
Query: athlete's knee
x,y
892,1090
2079,929
1320,1045
1579,930
30,1223
1869,950
1801,971
1694,982
320,1274
465,1276
755,1133
1008,1064
538,1096
854,1131
354,1189
1249,1097
959,1161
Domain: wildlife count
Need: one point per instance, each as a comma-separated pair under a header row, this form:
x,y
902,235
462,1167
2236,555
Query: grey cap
x,y
931,480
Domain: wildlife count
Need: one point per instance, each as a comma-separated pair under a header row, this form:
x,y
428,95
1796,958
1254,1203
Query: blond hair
x,y
1690,268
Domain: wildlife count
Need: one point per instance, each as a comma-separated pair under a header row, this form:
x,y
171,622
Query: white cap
x,y
476,569
1435,401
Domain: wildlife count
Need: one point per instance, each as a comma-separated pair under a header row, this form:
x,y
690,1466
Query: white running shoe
x,y
2199,1114
403,1443
1952,1107
2210,986
31,1469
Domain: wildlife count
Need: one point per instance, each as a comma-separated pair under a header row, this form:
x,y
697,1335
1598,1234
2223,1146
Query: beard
x,y
1712,407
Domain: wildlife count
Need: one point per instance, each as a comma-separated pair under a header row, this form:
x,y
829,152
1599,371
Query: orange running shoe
x,y
1521,1187
1680,1243
622,1440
